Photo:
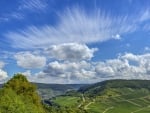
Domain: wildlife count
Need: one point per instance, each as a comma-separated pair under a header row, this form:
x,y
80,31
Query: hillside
x,y
47,91
1,85
18,95
99,88
112,96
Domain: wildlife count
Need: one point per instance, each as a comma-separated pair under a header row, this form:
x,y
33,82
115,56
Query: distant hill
x,y
111,96
51,90
60,87
100,87
1,85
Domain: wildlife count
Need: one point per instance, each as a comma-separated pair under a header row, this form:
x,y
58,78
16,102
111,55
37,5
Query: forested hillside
x,y
20,96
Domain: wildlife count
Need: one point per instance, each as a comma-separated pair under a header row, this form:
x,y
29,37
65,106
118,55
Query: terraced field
x,y
121,105
66,101
136,101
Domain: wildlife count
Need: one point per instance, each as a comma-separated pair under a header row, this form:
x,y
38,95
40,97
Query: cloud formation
x,y
127,66
70,72
28,60
73,25
3,74
70,51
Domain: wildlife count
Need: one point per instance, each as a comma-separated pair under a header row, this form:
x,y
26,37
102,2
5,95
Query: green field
x,y
66,100
134,101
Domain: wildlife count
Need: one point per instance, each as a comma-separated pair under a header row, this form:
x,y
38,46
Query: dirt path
x,y
86,106
83,99
107,109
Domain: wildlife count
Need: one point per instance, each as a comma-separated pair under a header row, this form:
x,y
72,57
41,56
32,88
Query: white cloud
x,y
27,73
70,51
145,15
74,25
69,71
117,36
3,75
127,66
28,60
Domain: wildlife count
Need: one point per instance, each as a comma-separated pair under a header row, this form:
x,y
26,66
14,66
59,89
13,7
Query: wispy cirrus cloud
x,y
73,25
33,5
145,15
10,16
18,13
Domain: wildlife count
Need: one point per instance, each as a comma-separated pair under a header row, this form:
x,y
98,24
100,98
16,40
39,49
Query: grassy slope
x,y
124,103
66,100
129,99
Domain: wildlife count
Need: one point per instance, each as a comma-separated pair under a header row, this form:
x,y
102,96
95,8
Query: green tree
x,y
20,96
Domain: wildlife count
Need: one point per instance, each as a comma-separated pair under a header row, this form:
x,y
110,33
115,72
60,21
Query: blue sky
x,y
75,41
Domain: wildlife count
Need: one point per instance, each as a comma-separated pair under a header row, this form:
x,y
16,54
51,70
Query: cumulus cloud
x,y
68,68
27,73
3,75
69,71
28,60
73,25
127,66
70,51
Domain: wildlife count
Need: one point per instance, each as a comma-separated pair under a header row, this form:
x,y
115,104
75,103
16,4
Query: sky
x,y
74,41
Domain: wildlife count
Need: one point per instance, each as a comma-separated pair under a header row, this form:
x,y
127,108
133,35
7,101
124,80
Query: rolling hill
x,y
47,91
112,96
